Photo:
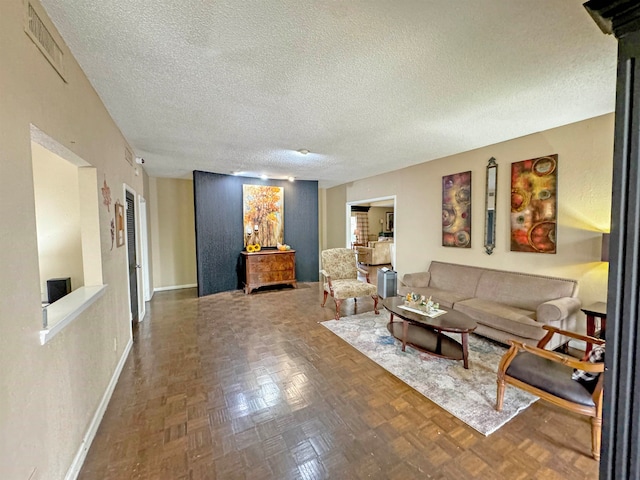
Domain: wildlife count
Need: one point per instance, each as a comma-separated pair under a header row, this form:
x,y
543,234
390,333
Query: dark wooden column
x,y
620,454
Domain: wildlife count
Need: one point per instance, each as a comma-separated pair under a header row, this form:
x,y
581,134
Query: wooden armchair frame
x,y
594,412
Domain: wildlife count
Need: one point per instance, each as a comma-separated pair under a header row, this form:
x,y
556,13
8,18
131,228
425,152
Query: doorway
x,y
381,221
132,259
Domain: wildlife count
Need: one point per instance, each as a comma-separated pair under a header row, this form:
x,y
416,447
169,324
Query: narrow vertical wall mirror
x,y
490,206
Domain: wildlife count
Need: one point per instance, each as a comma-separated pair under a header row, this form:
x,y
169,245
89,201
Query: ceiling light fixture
x,y
291,179
303,151
263,177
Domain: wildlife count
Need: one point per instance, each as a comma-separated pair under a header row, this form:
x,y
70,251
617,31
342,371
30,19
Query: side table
x,y
593,311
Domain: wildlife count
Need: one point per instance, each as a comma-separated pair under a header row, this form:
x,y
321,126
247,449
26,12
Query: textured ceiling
x,y
366,86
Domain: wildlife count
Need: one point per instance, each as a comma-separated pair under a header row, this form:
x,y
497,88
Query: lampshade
x,y
604,255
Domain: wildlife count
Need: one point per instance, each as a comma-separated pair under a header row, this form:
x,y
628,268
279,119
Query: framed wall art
x,y
534,205
389,223
263,215
119,214
456,210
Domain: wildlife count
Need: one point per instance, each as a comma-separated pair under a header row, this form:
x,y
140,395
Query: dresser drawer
x,y
272,264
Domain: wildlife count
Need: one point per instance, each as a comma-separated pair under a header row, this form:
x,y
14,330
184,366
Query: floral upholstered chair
x,y
340,272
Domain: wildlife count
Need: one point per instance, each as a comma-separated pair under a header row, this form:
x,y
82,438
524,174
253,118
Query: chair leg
x,y
324,300
375,303
596,433
338,302
500,394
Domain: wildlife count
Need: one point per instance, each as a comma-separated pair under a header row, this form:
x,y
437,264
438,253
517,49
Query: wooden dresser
x,y
269,267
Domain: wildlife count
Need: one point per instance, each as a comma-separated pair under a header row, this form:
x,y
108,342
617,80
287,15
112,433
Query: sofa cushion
x,y
347,288
454,278
521,290
501,317
418,279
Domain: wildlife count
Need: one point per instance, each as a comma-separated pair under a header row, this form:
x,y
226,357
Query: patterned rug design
x,y
469,394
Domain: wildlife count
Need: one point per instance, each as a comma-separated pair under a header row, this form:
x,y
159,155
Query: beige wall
x,y
57,197
335,212
585,152
147,190
172,232
49,394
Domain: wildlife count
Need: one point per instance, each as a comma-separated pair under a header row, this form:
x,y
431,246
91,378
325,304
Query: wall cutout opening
x,y
68,229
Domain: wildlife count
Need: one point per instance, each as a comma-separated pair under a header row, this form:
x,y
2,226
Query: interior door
x,y
133,261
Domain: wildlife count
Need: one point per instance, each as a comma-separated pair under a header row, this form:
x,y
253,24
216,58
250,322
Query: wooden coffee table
x,y
425,334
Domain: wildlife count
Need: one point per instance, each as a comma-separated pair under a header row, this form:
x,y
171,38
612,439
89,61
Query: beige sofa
x,y
506,305
377,253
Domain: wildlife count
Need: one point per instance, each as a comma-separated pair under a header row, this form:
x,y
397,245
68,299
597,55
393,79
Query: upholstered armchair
x,y
560,379
377,253
340,272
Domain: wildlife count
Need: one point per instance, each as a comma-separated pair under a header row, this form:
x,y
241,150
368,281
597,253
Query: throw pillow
x,y
589,379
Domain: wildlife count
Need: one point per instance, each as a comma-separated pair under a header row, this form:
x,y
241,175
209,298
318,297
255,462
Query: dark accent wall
x,y
220,230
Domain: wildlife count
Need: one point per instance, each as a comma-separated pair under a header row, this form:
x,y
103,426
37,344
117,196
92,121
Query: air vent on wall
x,y
38,32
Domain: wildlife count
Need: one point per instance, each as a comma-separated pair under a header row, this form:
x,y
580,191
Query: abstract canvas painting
x,y
534,205
456,210
263,214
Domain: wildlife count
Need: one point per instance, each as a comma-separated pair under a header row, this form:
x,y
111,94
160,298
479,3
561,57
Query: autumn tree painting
x,y
263,208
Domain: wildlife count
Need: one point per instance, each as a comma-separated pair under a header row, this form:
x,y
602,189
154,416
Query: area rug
x,y
470,395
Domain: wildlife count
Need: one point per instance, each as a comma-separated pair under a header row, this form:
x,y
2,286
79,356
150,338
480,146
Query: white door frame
x,y
144,249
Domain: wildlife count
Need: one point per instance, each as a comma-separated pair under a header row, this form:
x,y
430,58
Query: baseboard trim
x,y
78,461
175,287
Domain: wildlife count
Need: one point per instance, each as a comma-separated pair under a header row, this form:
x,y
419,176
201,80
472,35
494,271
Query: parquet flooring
x,y
235,386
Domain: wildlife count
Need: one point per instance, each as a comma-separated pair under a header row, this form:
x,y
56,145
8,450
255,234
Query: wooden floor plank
x,y
234,386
